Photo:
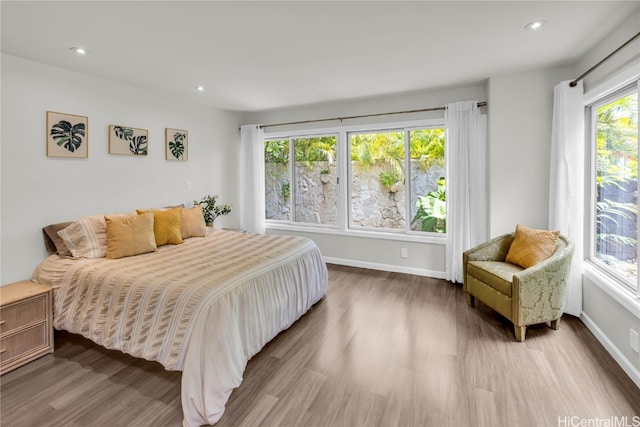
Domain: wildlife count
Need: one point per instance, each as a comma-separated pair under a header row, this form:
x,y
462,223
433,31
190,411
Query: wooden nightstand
x,y
26,323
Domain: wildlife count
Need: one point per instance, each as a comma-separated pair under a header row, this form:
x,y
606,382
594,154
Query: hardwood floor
x,y
381,349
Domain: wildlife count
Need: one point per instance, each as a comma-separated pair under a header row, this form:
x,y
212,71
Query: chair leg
x,y
520,332
555,324
470,299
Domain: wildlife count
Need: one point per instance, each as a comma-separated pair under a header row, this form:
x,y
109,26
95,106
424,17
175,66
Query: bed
x,y
203,307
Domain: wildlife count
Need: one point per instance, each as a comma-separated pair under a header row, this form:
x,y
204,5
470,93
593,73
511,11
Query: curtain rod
x,y
586,73
480,104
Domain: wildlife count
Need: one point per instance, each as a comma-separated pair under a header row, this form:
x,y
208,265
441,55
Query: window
x,y
377,180
305,191
613,122
277,176
315,180
428,192
383,164
395,179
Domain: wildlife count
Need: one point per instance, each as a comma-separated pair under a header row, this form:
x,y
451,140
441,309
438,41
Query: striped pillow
x,y
86,238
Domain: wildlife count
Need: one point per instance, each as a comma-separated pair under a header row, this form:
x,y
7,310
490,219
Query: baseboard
x,y
386,267
620,358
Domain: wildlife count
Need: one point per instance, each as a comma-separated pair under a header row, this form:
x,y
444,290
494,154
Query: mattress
x,y
204,307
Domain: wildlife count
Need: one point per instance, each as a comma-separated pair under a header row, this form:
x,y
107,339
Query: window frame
x,y
591,105
289,177
406,130
344,193
349,164
292,179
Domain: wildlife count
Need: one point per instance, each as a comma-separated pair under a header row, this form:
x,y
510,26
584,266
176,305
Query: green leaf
x,y
432,210
210,211
138,145
177,147
123,133
67,136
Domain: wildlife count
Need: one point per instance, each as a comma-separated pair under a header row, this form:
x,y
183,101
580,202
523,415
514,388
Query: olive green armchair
x,y
524,296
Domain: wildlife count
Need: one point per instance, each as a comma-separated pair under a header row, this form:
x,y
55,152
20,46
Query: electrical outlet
x,y
404,253
633,340
188,186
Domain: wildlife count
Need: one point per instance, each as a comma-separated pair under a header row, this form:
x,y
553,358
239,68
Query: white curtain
x,y
252,178
566,183
466,183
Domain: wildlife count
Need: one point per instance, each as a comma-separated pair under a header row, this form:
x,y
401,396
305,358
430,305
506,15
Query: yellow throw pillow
x,y
531,246
167,225
193,223
129,235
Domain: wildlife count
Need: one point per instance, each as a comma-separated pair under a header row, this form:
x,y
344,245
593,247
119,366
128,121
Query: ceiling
x,y
261,55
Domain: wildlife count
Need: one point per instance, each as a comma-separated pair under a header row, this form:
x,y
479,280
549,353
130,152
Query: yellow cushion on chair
x,y
498,275
531,246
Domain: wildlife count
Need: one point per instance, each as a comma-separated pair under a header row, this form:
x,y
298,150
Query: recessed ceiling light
x,y
535,25
78,50
200,88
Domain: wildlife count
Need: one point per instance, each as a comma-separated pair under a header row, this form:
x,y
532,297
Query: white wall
x,y
520,110
372,105
38,190
610,321
604,314
626,57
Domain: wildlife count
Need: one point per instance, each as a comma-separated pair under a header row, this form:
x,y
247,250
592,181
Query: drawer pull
x,y
2,350
2,322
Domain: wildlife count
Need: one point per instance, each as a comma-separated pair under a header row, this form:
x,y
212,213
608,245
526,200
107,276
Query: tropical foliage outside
x,y
313,168
426,151
432,210
616,215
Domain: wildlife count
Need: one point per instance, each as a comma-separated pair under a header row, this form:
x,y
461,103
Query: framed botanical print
x,y
176,144
128,141
67,135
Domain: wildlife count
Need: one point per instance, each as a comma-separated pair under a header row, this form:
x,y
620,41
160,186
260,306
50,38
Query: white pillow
x,y
87,237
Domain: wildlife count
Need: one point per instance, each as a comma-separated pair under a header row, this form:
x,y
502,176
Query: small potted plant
x,y
211,211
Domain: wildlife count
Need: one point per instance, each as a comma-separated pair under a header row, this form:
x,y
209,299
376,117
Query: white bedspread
x,y
204,307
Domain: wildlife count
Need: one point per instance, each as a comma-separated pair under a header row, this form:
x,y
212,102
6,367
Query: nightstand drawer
x,y
32,340
26,323
23,314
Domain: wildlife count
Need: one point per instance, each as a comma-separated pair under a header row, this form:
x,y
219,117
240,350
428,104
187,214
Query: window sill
x,y
623,296
402,237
